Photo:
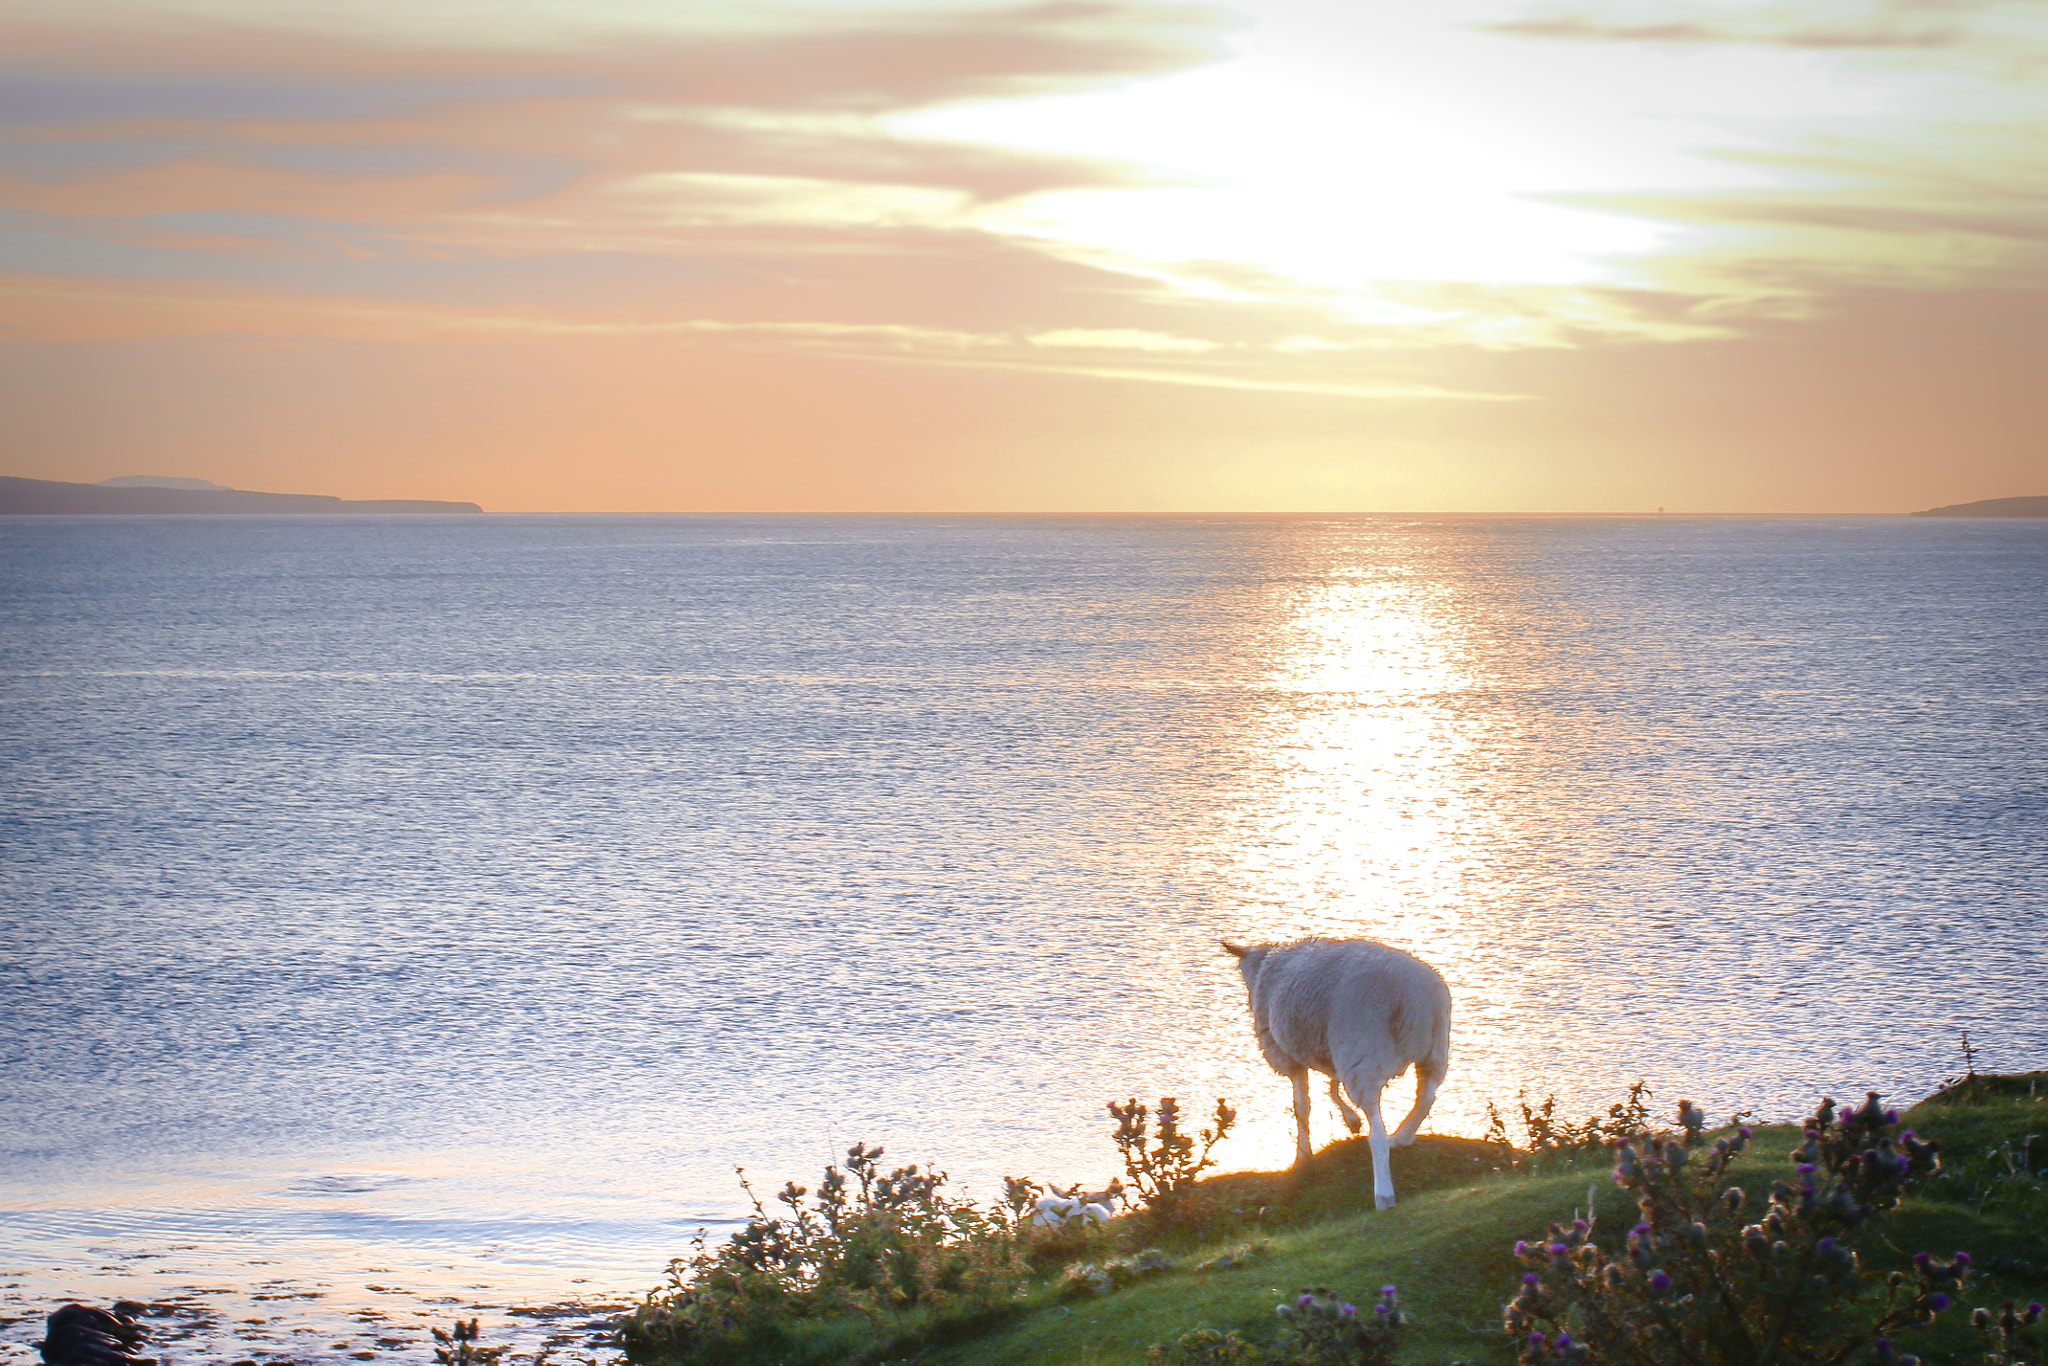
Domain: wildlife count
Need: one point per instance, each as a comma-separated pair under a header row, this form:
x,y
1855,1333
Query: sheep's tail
x,y
1436,1055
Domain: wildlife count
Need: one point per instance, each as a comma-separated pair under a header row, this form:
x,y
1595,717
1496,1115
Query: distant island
x,y
159,494
1992,507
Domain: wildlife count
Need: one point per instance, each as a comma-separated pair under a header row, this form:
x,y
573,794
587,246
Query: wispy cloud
x,y
765,174
510,149
1118,339
51,309
1857,25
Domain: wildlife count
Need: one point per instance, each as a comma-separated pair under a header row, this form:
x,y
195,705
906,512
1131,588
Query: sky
x,y
1062,255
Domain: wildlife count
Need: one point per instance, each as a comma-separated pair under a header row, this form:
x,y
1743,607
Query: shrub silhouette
x,y
1165,1172
893,1249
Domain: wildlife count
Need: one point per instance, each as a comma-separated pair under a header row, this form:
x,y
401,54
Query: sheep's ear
x,y
1234,950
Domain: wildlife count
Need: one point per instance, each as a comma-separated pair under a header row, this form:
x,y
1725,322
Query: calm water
x,y
415,912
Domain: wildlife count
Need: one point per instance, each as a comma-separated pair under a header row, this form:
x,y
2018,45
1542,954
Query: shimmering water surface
x,y
404,912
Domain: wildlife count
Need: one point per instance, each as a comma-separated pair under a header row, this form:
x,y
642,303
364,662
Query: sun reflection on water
x,y
1362,817
1365,826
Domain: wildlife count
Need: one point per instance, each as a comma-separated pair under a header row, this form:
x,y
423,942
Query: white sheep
x,y
1358,1012
1053,1211
1060,1208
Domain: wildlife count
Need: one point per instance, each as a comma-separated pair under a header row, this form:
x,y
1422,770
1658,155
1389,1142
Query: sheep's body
x,y
1063,1207
1055,1210
1361,1014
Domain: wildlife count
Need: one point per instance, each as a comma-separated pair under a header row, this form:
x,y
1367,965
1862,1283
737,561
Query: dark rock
x,y
84,1335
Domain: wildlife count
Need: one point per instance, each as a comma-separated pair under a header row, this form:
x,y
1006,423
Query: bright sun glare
x,y
1345,147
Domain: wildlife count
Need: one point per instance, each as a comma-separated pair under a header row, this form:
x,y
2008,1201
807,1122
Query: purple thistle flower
x,y
1826,1244
1921,1260
1530,1278
1962,1259
1380,1309
1744,1131
1347,1310
1386,1290
1639,1230
1659,1282
1937,1301
1891,1116
1305,1301
1558,1249
1563,1341
1521,1246
1806,1169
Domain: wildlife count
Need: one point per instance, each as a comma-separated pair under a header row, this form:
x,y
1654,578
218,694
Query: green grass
x,y
1445,1248
1994,1135
1446,1245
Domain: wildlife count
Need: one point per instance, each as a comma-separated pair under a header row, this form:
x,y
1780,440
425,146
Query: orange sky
x,y
1077,255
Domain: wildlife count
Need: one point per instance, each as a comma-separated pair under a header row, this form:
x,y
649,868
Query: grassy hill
x,y
1446,1245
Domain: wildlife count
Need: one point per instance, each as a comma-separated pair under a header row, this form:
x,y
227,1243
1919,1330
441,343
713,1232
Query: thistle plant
x,y
1693,1282
1164,1172
1020,1194
1322,1330
2005,1335
1203,1347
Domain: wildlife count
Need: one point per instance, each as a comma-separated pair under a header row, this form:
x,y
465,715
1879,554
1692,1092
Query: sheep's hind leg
x,y
1351,1119
1301,1145
1382,1169
1425,1096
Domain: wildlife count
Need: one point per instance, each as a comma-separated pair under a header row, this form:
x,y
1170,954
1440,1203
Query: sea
x,y
405,918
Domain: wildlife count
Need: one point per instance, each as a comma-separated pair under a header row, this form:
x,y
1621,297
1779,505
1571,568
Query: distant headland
x,y
1992,507
158,494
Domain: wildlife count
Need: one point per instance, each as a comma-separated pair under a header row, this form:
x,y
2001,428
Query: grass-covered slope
x,y
1446,1245
1445,1248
